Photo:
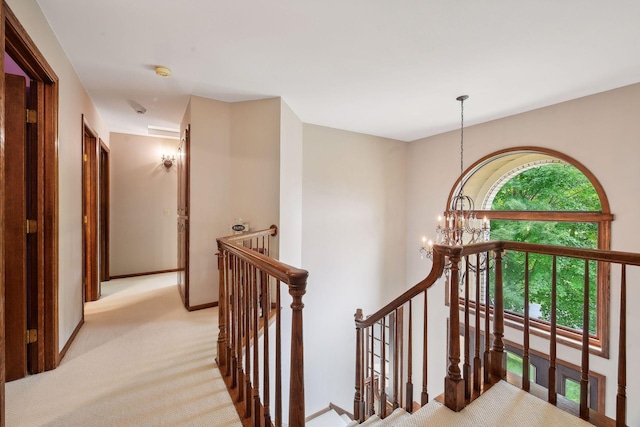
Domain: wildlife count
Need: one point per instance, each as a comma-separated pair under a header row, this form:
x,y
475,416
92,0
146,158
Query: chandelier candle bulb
x,y
424,241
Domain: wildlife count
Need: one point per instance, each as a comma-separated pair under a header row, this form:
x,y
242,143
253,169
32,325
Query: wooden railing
x,y
479,309
249,302
371,383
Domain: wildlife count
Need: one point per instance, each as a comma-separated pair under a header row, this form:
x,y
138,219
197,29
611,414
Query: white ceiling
x,y
391,68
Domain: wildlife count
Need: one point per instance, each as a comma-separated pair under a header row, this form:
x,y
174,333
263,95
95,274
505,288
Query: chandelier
x,y
459,225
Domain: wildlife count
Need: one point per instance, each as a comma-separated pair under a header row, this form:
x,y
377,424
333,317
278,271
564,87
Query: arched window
x,y
542,196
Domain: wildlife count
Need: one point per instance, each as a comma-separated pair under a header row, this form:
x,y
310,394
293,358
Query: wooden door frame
x,y
17,43
184,190
91,289
104,171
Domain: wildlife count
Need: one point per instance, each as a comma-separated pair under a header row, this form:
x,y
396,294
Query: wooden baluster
x,y
498,355
453,383
268,247
526,381
236,324
466,367
383,368
487,325
296,381
358,398
424,396
222,310
477,363
621,397
241,330
255,295
401,353
409,386
278,387
266,312
247,339
229,313
584,377
396,358
372,382
553,395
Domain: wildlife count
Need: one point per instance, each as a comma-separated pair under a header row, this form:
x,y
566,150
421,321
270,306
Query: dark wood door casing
x,y
90,212
15,265
104,211
183,216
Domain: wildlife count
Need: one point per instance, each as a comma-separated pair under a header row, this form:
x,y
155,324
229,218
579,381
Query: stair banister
x,y
248,269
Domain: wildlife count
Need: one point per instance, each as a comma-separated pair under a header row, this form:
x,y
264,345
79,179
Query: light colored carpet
x,y
503,405
139,360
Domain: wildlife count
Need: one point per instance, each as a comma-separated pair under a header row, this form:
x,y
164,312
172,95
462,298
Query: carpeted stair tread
x,y
502,405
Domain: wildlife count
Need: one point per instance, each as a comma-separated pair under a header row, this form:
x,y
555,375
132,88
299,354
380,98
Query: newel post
x,y
296,382
498,355
453,382
358,399
221,358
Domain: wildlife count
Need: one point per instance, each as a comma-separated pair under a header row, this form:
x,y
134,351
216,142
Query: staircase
x,y
502,405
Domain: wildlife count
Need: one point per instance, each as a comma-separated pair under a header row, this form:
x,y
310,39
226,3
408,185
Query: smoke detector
x,y
163,71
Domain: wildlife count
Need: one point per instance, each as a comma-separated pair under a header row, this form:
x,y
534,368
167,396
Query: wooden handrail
x,y
247,274
283,272
618,257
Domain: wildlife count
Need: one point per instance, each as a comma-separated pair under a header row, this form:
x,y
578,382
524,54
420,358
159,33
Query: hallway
x,y
139,360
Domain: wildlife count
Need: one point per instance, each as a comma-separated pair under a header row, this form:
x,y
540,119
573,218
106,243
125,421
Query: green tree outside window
x,y
549,187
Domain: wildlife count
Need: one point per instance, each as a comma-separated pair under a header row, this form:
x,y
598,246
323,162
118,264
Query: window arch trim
x,y
471,170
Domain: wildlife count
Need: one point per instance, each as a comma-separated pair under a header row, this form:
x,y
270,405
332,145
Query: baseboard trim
x,y
203,306
64,350
340,411
148,273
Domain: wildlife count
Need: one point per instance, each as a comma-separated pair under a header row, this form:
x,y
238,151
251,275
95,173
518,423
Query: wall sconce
x,y
167,161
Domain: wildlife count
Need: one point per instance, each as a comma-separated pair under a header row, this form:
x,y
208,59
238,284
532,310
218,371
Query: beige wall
x,y
73,103
353,244
600,131
290,232
255,162
143,205
209,216
234,174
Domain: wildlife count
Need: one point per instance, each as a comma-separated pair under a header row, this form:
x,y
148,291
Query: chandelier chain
x,y
461,140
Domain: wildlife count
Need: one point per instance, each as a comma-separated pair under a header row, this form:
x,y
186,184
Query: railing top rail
x,y
452,252
271,231
616,257
281,271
